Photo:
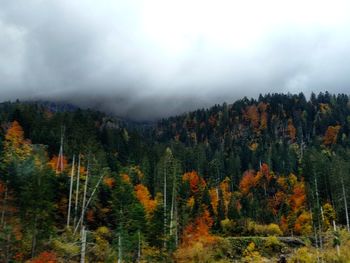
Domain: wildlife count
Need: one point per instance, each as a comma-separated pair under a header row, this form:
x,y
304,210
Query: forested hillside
x,y
249,181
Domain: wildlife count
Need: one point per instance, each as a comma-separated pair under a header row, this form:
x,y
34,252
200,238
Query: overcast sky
x,y
149,59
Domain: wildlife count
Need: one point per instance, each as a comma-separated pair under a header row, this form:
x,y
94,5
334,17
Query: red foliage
x,y
291,130
196,182
251,114
2,187
250,179
265,170
331,135
90,216
298,198
284,224
198,230
247,182
45,257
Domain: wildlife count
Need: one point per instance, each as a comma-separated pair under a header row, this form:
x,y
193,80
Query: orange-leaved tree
x,y
247,182
331,135
198,230
143,195
58,164
251,114
196,182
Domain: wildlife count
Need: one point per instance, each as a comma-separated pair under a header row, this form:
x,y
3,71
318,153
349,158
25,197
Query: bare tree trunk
x,y
119,248
173,198
139,248
346,206
176,229
316,240
83,209
318,217
83,245
70,191
77,193
60,154
84,196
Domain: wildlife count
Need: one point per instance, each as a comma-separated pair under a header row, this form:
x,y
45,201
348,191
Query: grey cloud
x,y
97,54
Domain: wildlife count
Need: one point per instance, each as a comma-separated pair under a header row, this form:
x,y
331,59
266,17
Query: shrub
x,y
263,230
227,225
303,255
250,254
272,244
274,230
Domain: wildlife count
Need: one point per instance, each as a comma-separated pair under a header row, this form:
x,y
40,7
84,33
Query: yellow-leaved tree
x,y
15,146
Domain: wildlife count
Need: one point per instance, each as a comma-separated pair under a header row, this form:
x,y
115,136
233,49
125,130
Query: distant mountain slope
x,y
258,128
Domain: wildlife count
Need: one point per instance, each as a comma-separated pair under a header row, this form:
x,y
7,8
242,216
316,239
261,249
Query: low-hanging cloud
x,y
150,59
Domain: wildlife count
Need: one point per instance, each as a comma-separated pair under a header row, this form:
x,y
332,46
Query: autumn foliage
x,y
198,230
248,181
331,135
125,178
251,114
224,187
251,179
58,164
145,199
45,257
298,198
214,199
15,146
291,130
109,181
196,182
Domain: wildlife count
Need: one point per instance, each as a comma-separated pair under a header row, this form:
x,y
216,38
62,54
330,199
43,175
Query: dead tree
x,y
70,191
77,193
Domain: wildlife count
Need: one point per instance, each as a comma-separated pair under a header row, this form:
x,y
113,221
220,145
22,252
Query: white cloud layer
x,y
149,59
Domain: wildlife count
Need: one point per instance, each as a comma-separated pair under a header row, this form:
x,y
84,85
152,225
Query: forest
x,y
256,180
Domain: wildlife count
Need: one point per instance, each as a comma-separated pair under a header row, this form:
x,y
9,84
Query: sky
x,y
151,59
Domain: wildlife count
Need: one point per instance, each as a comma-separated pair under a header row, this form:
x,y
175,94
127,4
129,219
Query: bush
x,y
272,244
303,255
273,230
263,230
227,226
251,254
